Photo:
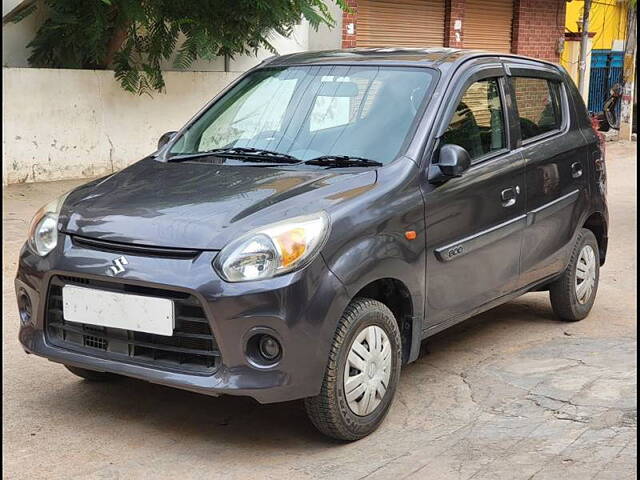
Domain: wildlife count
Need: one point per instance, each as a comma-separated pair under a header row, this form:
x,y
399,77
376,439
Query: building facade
x,y
607,22
527,27
605,50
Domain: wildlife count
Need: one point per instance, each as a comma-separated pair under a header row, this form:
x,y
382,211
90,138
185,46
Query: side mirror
x,y
453,161
165,138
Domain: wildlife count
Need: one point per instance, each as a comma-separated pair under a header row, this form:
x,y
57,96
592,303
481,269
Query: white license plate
x,y
118,310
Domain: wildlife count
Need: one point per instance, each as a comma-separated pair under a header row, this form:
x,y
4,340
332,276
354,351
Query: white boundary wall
x,y
63,124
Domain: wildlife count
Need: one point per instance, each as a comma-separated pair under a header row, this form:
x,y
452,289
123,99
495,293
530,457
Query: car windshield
x,y
314,111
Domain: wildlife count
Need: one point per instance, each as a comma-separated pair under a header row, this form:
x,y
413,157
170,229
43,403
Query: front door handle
x,y
509,196
576,170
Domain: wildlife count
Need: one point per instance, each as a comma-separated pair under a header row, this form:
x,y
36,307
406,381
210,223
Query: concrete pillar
x,y
629,78
628,99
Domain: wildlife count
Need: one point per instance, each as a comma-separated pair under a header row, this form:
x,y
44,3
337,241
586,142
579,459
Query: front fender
x,y
382,256
369,241
385,257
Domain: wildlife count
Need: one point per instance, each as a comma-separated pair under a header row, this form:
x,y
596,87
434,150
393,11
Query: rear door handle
x,y
509,196
576,170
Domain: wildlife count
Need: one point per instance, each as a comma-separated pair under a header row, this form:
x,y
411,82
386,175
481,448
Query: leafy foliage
x,y
134,37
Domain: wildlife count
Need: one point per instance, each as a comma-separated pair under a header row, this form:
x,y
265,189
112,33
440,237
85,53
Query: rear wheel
x,y
573,294
362,373
91,375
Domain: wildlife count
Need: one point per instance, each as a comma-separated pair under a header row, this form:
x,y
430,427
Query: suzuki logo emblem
x,y
118,265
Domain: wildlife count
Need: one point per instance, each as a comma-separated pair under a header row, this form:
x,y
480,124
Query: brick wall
x,y
453,10
537,26
350,17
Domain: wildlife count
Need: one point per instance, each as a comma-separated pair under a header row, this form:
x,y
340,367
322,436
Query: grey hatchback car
x,y
316,221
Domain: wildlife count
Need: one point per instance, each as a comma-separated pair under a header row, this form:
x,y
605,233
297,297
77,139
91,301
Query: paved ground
x,y
512,393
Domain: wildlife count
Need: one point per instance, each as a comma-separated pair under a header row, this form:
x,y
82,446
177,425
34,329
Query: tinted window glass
x,y
307,112
478,122
538,102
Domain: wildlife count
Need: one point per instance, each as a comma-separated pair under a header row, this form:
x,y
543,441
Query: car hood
x,y
202,206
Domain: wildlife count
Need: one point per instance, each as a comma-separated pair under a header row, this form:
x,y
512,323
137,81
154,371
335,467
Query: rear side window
x,y
538,102
478,122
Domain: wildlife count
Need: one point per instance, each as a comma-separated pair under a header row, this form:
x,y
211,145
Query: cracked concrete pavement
x,y
510,394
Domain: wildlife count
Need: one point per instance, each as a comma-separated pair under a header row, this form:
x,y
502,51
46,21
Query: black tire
x,y
91,375
562,292
329,411
604,125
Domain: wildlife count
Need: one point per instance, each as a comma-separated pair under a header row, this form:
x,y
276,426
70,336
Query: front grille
x,y
191,349
145,250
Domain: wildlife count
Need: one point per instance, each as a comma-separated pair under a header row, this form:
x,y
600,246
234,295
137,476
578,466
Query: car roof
x,y
436,57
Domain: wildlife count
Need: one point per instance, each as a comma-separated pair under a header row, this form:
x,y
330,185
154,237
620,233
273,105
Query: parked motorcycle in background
x,y
608,118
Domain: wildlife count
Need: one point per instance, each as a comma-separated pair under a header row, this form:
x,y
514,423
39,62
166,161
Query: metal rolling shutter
x,y
400,23
487,25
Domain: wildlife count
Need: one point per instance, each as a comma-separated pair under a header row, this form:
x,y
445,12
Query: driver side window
x,y
477,124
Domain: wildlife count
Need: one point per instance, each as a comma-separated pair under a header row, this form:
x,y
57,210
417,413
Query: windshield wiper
x,y
244,154
338,161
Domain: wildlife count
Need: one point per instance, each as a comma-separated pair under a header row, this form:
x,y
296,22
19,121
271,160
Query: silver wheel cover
x,y
367,370
585,274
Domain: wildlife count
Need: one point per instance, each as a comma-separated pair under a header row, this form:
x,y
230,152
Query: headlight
x,y
273,250
43,231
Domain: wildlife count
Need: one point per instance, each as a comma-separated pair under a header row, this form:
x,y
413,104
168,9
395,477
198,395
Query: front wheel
x,y
573,294
362,373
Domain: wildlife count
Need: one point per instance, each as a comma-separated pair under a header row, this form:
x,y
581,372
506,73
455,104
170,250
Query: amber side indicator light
x,y
410,235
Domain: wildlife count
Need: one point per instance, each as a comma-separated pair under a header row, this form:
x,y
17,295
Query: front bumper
x,y
300,309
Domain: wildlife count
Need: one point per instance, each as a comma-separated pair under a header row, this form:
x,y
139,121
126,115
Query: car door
x,y
556,161
474,223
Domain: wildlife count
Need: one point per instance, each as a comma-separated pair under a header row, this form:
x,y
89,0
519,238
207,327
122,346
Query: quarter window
x,y
538,102
478,122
